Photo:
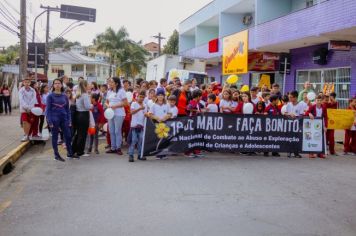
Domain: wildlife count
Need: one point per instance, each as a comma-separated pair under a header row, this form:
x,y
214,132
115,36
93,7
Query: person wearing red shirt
x,y
350,134
36,119
183,96
330,133
246,99
273,110
317,111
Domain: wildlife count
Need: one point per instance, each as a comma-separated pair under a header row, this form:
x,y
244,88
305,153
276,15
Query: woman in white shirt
x,y
116,100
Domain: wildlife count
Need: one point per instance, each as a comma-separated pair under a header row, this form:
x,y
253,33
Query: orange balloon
x,y
91,130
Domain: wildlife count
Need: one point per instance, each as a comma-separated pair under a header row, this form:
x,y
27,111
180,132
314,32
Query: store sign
x,y
340,45
259,61
214,46
235,54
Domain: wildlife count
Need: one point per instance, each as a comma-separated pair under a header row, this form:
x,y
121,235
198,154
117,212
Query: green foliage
x,y
127,55
172,45
62,43
9,55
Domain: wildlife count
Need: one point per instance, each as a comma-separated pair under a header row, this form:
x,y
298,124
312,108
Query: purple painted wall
x,y
302,60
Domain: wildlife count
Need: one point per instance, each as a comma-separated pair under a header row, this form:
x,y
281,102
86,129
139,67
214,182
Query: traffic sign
x,y
31,56
78,13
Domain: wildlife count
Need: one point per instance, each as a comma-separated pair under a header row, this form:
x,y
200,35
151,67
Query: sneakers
x,y
119,152
59,158
85,155
110,151
131,158
97,152
141,158
24,138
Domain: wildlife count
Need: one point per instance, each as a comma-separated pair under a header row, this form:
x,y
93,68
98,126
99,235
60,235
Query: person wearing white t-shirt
x,y
159,110
254,98
294,110
116,100
212,107
225,102
138,110
173,110
305,103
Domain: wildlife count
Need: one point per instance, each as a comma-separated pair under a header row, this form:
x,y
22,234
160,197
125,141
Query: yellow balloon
x,y
232,79
245,88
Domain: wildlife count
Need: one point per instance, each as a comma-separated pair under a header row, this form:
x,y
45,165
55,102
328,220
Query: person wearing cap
x,y
183,96
160,111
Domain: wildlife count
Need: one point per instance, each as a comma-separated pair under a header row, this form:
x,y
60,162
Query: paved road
x,y
216,195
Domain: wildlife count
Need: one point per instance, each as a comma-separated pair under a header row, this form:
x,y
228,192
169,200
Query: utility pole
x,y
23,42
159,37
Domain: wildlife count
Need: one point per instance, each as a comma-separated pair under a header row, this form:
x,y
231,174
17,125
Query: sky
x,y
143,18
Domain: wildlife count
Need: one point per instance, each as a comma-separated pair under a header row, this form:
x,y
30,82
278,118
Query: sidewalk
x,y
10,132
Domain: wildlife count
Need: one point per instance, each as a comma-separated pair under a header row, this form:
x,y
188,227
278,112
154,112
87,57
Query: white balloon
x,y
129,96
37,111
284,109
311,96
105,127
248,108
109,113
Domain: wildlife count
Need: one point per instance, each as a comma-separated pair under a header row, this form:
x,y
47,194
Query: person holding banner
x,y
246,103
330,133
317,111
294,110
273,110
350,134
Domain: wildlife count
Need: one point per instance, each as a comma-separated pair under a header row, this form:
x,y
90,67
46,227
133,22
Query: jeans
x,y
136,138
7,104
80,133
115,127
61,123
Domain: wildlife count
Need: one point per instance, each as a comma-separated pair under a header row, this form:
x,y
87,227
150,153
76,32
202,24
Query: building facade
x,y
302,29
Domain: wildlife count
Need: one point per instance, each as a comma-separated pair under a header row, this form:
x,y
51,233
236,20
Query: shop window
x,y
339,77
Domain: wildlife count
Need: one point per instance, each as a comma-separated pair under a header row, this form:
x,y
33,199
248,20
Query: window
x,y
309,3
340,77
56,68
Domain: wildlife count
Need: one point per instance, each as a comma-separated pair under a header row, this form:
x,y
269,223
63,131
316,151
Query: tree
x,y
132,59
10,54
62,43
172,45
113,43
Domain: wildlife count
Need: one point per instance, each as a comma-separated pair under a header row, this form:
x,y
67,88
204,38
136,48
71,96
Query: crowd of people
x,y
75,114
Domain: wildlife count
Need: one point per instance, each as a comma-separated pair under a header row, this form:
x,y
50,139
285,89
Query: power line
x,y
12,7
8,18
8,12
6,27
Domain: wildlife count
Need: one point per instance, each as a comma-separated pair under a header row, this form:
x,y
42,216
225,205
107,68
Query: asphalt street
x,y
220,194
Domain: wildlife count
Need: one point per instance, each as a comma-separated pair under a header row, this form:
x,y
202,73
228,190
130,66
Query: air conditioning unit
x,y
247,20
186,60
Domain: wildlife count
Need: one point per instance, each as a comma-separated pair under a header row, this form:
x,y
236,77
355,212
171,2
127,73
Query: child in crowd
x,y
294,111
254,98
98,114
330,133
194,108
159,111
226,103
273,110
44,91
260,108
36,119
103,95
138,110
246,99
150,101
317,111
212,107
266,96
173,110
350,134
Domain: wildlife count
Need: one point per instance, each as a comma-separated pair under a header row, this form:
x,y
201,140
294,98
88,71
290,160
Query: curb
x,y
8,161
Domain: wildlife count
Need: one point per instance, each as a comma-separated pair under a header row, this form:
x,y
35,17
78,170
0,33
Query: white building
x,y
75,65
